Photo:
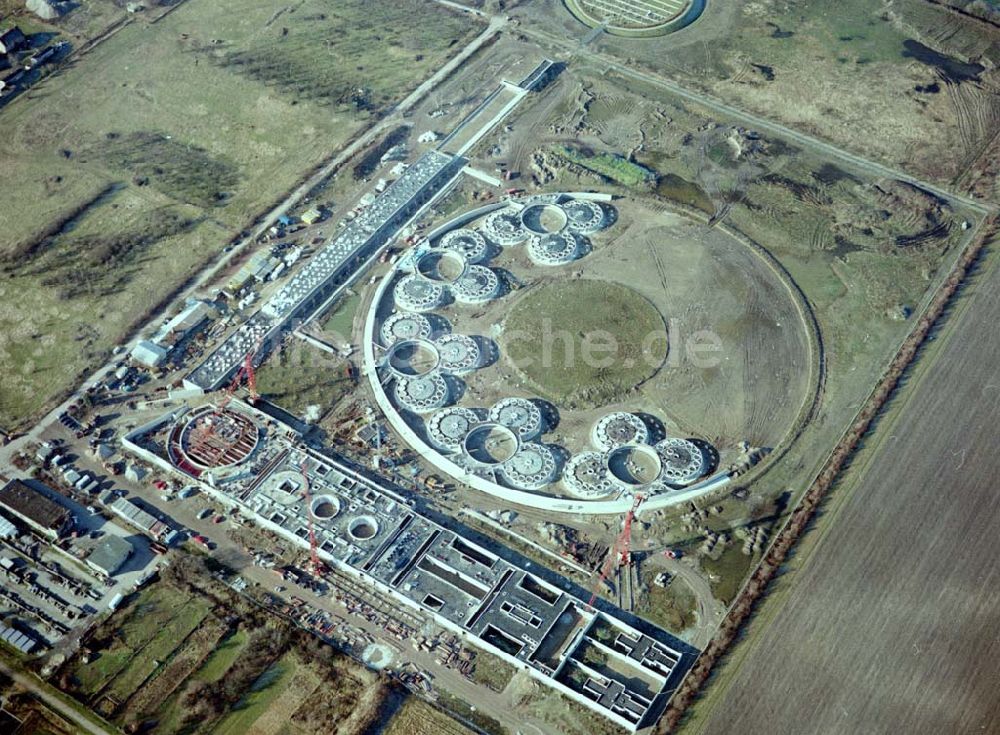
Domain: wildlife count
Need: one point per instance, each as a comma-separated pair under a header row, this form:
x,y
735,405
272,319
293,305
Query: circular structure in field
x,y
324,507
446,266
519,415
636,18
554,248
543,219
586,342
490,445
682,460
423,394
635,465
362,528
405,325
504,227
619,428
414,293
458,353
469,243
410,358
583,353
532,467
212,439
448,427
584,217
477,285
586,476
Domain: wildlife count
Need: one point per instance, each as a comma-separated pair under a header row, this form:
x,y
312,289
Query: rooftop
x,y
110,554
34,507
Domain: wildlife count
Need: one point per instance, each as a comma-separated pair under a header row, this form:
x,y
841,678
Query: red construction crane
x,y
620,553
202,440
314,562
246,371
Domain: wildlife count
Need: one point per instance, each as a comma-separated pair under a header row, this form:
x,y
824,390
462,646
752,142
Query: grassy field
x,y
672,607
727,572
898,568
340,320
416,717
583,356
181,133
304,380
610,166
267,693
154,625
840,70
165,659
492,672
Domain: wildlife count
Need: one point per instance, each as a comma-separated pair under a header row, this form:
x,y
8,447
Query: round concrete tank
x,y
362,528
324,507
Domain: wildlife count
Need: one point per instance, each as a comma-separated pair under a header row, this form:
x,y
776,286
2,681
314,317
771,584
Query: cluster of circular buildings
x,y
625,457
415,363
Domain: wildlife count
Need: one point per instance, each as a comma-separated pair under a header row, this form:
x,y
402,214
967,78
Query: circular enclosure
x,y
422,394
324,507
619,428
553,248
519,415
504,227
447,428
585,354
490,445
446,266
469,243
212,439
543,219
414,293
410,358
634,465
362,528
636,18
405,325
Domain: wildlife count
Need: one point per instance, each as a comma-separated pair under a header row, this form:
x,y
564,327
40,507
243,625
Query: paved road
x,y
42,691
575,49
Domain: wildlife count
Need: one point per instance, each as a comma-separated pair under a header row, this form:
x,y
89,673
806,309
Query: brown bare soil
x,y
891,623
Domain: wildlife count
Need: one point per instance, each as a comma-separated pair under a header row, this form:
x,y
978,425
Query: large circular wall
x,y
497,446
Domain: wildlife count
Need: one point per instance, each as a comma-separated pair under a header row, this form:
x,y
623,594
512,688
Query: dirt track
x,y
891,623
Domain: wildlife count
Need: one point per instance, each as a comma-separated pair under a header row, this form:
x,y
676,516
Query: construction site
x,y
365,529
507,398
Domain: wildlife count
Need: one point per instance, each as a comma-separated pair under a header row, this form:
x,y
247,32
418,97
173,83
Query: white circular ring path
x,y
496,449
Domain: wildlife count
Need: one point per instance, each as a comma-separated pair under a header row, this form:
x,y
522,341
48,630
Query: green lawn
x,y
728,572
271,684
340,321
577,355
301,376
218,663
141,637
609,165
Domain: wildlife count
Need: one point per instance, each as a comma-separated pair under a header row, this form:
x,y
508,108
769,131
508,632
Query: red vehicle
x,y
218,519
198,538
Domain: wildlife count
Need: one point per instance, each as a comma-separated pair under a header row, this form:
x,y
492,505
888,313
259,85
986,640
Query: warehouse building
x,y
139,518
36,509
110,555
